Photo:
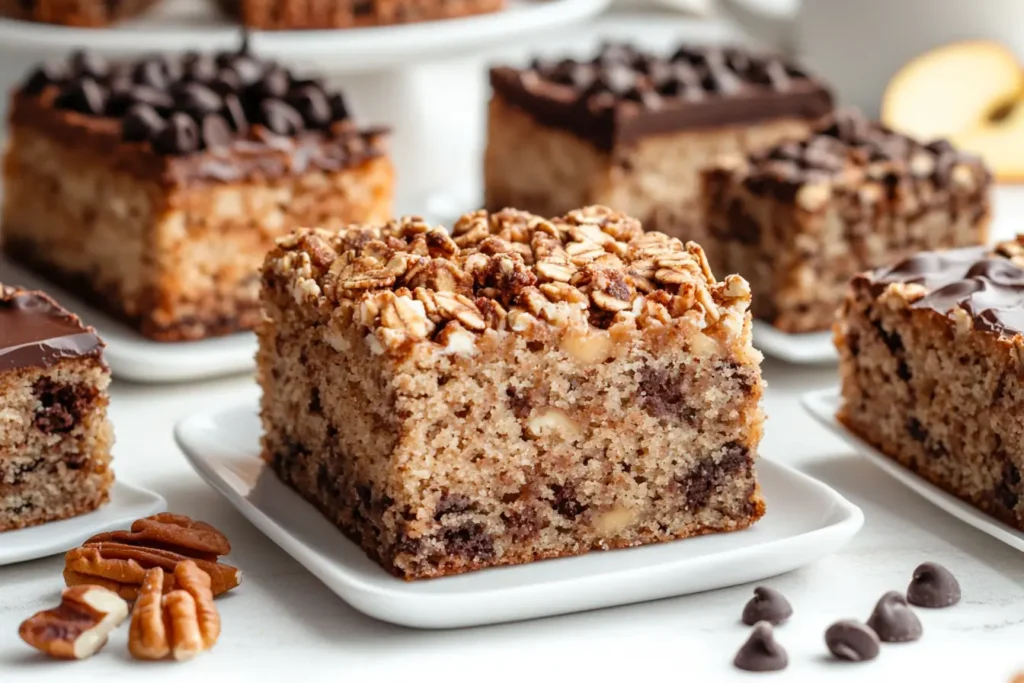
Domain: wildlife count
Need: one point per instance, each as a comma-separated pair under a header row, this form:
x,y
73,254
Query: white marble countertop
x,y
283,622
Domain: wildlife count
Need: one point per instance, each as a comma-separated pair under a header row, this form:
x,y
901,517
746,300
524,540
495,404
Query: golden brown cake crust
x,y
297,14
520,389
85,13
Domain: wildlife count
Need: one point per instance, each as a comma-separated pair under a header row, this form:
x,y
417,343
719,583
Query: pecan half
x,y
182,623
79,626
176,533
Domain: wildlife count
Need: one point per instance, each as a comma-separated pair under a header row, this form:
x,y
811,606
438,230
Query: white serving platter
x,y
806,520
133,357
807,348
127,504
823,404
197,24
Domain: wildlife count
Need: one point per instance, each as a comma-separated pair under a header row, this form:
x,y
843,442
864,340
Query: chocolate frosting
x,y
623,94
990,290
36,332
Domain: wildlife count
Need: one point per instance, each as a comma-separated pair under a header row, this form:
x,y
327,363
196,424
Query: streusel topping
x,y
507,270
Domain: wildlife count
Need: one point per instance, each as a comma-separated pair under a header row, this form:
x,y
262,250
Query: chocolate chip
x,y
87,63
617,79
179,136
274,84
933,586
197,99
152,73
894,621
84,95
852,641
141,94
339,111
767,605
200,68
761,652
280,118
234,113
249,69
226,81
141,123
312,104
215,131
44,75
61,406
470,540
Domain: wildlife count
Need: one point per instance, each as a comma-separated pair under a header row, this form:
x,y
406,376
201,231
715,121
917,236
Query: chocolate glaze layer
x,y
36,332
623,94
990,290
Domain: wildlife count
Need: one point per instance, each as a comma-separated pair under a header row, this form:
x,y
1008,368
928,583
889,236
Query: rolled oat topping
x,y
507,270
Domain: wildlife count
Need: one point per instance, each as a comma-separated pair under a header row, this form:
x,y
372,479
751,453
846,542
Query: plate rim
x,y
155,503
820,405
842,522
782,345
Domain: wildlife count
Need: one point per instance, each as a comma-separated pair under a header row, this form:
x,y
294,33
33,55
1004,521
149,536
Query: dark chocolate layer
x,y
848,141
990,290
623,94
36,332
216,117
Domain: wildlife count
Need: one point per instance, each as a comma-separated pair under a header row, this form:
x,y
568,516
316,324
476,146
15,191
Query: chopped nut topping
x,y
508,270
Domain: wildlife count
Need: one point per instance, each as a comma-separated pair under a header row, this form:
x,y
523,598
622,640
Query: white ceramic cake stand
x,y
422,79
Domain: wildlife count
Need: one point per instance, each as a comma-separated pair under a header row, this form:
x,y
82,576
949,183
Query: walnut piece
x,y
79,626
182,623
118,560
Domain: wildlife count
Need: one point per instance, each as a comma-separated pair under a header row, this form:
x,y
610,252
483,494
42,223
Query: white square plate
x,y
127,504
804,348
823,404
133,357
806,520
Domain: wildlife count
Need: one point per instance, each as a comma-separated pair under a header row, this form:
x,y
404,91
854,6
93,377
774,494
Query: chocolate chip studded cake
x,y
325,14
54,435
800,219
522,389
156,187
632,130
85,13
931,351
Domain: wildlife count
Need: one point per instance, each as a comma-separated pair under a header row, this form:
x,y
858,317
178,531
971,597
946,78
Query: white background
x,y
283,623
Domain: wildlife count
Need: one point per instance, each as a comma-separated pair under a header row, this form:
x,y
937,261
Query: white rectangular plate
x,y
823,404
804,348
131,356
806,520
127,504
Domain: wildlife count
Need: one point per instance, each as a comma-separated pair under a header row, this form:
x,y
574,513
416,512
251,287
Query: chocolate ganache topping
x,y
990,290
187,103
36,332
623,94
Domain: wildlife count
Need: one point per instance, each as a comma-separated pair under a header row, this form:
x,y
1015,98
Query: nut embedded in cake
x,y
521,389
799,219
55,438
155,187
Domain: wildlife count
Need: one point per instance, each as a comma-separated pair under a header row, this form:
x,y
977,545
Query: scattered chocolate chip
x,y
198,67
44,75
894,621
179,136
312,104
339,111
158,99
197,99
226,81
141,123
933,586
852,641
235,113
274,84
86,63
280,118
767,605
152,73
84,95
215,131
761,652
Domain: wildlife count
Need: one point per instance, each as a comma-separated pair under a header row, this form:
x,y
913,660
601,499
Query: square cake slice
x,y
522,389
155,187
55,439
800,219
632,130
931,353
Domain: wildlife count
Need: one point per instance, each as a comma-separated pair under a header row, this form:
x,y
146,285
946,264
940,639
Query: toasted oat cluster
x,y
519,389
506,271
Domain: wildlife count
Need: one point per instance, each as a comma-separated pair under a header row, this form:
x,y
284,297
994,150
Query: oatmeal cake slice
x,y
155,187
520,390
54,435
931,356
633,129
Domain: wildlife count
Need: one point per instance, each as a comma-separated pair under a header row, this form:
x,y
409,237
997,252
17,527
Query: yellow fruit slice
x,y
1001,145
